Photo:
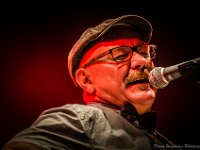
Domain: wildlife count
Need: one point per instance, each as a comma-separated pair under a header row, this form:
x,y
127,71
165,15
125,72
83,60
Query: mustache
x,y
137,76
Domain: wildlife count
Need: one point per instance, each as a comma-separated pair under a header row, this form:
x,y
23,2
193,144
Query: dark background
x,y
35,39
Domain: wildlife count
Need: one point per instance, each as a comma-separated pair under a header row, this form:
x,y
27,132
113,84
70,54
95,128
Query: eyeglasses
x,y
124,53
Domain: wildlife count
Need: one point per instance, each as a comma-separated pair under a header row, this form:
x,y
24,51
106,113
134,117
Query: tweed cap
x,y
93,33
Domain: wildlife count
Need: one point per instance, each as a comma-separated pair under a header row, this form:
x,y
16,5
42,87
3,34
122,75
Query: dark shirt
x,y
94,126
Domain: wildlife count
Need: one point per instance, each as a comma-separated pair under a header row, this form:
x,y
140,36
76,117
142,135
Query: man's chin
x,y
141,94
143,101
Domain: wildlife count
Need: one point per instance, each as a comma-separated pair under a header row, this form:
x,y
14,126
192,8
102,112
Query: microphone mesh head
x,y
156,78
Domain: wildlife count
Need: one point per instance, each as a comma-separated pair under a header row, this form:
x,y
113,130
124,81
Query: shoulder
x,y
73,117
70,122
78,110
73,113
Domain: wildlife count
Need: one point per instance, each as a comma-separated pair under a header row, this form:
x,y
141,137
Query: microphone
x,y
160,77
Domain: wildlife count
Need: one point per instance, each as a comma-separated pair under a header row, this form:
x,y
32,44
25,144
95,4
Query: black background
x,y
35,38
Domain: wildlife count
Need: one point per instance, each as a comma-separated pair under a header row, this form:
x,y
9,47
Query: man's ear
x,y
82,78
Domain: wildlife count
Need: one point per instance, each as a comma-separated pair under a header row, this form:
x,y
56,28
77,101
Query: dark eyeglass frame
x,y
152,47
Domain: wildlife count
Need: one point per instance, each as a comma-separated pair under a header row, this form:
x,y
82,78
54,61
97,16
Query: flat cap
x,y
140,24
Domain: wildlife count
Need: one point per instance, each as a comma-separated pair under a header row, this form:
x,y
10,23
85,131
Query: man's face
x,y
127,81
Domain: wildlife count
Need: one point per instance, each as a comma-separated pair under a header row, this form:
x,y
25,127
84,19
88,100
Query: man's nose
x,y
138,62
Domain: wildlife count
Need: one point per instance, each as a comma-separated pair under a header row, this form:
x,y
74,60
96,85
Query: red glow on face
x,y
104,46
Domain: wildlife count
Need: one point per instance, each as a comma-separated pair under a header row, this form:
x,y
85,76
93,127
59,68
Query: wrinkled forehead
x,y
117,36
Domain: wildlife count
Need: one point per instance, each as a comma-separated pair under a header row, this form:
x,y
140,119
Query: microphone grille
x,y
156,78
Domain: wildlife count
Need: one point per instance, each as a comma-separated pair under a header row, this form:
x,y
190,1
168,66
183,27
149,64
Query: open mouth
x,y
138,81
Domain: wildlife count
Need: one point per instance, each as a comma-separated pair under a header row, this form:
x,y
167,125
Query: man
x,y
111,63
